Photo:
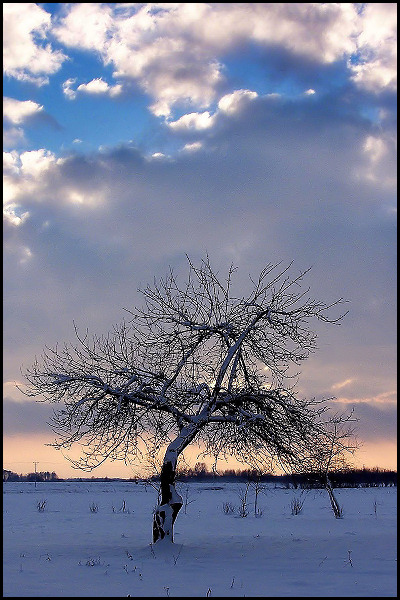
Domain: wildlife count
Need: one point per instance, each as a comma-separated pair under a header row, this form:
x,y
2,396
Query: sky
x,y
136,134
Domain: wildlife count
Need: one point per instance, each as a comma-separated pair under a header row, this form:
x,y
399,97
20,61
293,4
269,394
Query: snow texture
x,y
93,539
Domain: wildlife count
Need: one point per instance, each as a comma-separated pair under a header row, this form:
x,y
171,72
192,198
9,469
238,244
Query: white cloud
x,y
86,25
67,88
13,136
193,147
21,175
96,86
377,74
99,86
17,111
375,147
11,169
379,152
11,162
232,103
35,162
173,50
23,56
228,104
12,212
377,46
13,216
193,121
24,176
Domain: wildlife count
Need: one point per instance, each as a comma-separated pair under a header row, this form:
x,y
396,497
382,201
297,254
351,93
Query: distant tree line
x,y
344,478
348,478
38,476
364,477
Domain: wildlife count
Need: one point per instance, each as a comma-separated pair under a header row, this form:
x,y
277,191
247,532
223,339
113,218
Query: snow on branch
x,y
199,361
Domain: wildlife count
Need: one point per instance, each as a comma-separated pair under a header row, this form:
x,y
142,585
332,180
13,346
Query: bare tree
x,y
330,452
195,363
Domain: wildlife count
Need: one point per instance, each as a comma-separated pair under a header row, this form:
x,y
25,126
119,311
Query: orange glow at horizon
x,y
20,452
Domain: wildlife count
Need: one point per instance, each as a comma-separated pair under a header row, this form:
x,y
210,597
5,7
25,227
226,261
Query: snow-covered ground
x,y
68,550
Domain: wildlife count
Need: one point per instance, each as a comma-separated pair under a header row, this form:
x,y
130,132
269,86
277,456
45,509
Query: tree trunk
x,y
170,504
170,501
337,511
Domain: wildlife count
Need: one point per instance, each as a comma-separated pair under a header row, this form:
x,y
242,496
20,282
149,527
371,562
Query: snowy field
x,y
93,539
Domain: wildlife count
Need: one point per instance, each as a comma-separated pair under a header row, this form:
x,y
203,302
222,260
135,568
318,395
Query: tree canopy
x,y
197,362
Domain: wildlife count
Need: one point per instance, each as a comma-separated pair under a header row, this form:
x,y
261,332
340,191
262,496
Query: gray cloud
x,y
376,422
26,417
279,181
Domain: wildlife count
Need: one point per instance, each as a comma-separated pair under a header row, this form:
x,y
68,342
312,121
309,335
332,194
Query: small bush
x,y
41,505
124,508
93,562
243,508
296,506
228,508
93,507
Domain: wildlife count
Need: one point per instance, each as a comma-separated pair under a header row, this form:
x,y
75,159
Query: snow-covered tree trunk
x,y
170,504
170,501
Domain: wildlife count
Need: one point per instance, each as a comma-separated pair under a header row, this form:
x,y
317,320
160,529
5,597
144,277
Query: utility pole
x,y
35,463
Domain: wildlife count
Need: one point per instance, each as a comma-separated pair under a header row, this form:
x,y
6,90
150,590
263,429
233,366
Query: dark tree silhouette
x,y
195,363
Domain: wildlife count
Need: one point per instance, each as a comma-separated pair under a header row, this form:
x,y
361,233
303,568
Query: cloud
x,y
26,417
193,147
24,56
10,214
23,112
35,162
20,174
175,52
85,25
376,422
192,121
376,69
95,87
276,180
17,111
342,384
229,104
13,137
99,86
67,88
378,151
303,202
